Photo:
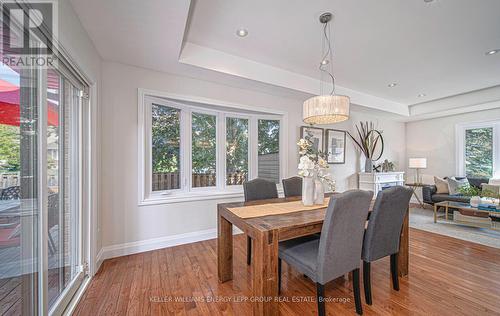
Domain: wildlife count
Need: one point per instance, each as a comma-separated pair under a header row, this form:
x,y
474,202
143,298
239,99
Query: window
x,y
191,150
479,152
204,150
269,147
236,150
476,150
166,149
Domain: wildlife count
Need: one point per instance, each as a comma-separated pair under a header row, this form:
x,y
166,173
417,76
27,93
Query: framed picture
x,y
335,146
314,134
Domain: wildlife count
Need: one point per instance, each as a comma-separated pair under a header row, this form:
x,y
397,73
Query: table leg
x,y
265,273
224,249
404,247
418,199
435,213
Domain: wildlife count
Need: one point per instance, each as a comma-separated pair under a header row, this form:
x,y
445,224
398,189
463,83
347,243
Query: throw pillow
x,y
441,185
454,185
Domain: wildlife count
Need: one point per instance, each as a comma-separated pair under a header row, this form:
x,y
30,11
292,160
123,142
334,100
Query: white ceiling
x,y
435,48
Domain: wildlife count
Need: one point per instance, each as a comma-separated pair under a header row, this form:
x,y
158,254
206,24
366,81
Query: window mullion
x,y
186,150
252,150
221,151
496,151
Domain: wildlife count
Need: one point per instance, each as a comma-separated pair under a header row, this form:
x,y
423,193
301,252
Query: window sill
x,y
195,197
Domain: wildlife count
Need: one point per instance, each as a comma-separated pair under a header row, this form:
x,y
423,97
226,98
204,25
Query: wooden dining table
x,y
266,232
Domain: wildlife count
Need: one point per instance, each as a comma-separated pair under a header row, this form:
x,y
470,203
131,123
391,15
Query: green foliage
x,y
165,139
469,190
236,145
204,143
269,137
9,148
479,152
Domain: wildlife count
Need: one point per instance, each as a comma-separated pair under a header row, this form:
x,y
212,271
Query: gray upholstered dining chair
x,y
258,189
337,251
292,186
382,235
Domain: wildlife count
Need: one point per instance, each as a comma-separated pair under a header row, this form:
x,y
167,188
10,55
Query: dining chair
x,y
292,186
382,235
338,249
257,189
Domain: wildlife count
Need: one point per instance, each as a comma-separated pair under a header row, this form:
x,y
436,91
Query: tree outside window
x,y
479,152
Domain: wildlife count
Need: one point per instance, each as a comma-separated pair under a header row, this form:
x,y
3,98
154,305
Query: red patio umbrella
x,y
10,110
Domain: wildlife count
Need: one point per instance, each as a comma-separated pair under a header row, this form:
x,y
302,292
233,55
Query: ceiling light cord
x,y
327,56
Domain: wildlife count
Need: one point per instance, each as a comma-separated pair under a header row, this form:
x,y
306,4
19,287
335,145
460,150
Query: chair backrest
x,y
259,189
292,186
385,224
341,238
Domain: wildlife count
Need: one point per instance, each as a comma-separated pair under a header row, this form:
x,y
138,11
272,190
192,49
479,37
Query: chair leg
x,y
249,250
320,296
279,276
357,292
394,271
367,282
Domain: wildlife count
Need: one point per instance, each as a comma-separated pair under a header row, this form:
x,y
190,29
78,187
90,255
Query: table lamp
x,y
417,163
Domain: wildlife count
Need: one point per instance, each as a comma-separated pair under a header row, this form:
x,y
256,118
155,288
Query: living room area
x,y
458,186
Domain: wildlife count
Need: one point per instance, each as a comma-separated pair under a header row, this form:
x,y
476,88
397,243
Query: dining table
x,y
267,229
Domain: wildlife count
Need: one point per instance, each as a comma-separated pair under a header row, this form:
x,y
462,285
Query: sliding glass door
x,y
64,270
42,218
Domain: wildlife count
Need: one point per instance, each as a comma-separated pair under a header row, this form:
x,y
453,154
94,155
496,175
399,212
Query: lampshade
x,y
326,109
417,163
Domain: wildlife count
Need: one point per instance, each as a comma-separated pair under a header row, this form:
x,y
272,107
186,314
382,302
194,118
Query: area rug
x,y
423,219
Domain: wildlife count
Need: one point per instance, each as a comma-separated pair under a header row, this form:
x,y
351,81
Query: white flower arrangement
x,y
312,163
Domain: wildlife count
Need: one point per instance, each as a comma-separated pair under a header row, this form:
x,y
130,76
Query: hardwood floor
x,y
447,277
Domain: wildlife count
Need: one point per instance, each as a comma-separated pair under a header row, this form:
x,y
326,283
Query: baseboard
x,y
98,261
153,244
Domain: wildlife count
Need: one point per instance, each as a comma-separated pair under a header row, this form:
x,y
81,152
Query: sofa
x,y
430,196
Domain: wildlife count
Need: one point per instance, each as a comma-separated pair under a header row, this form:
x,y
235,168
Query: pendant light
x,y
326,108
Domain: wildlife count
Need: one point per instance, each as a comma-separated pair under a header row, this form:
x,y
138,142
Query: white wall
x,y
123,221
394,139
435,140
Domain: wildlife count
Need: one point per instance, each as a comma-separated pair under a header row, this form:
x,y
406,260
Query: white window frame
x,y
460,145
222,110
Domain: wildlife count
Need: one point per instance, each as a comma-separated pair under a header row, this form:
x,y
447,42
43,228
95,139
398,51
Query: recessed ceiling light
x,y
494,51
325,62
421,95
392,85
242,32
428,1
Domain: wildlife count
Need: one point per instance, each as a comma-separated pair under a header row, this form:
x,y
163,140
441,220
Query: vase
x,y
319,192
368,165
475,200
308,191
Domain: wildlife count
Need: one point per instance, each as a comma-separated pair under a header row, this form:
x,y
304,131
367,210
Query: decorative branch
x,y
368,140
